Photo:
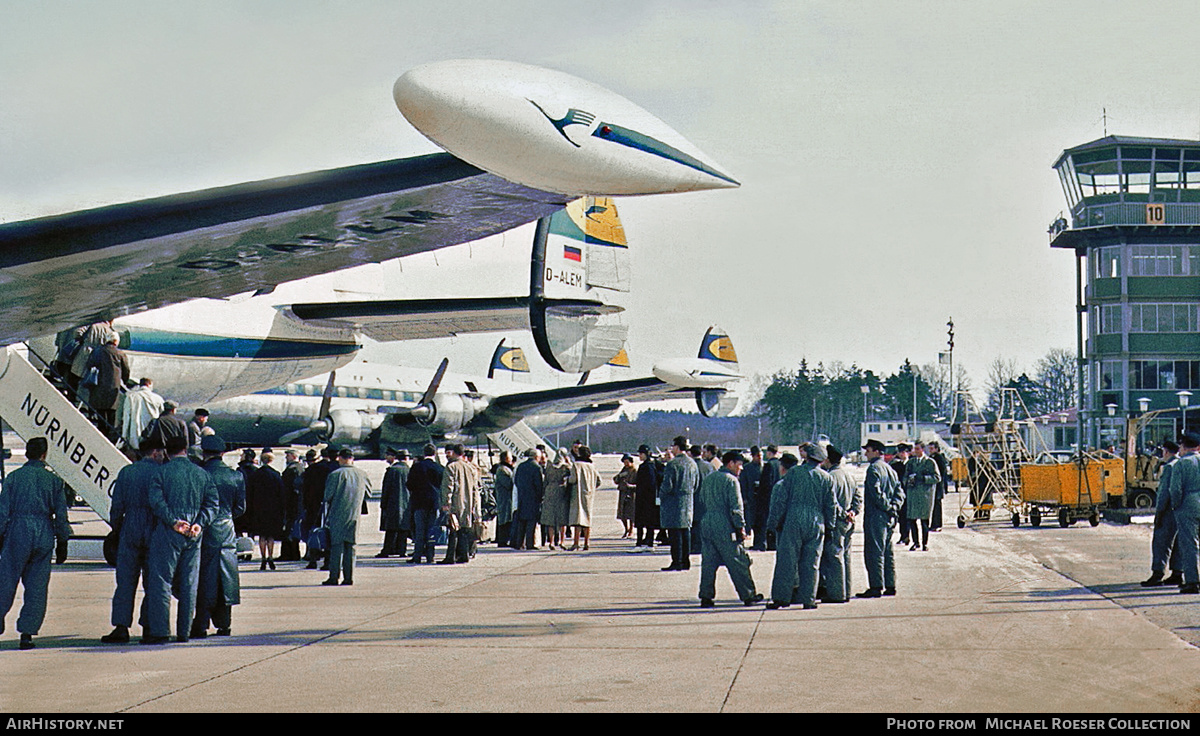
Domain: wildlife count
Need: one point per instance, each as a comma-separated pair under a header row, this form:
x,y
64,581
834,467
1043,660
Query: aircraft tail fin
x,y
508,358
579,285
716,346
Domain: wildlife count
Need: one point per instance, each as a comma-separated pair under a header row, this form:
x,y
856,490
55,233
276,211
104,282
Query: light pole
x,y
1112,409
1143,407
1183,405
866,390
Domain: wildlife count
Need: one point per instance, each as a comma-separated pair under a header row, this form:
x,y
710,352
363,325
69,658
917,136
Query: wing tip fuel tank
x,y
551,131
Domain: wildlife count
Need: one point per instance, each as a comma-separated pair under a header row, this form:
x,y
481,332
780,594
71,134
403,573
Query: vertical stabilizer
x,y
579,285
510,359
716,346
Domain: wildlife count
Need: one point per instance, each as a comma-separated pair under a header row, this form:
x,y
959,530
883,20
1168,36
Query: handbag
x,y
318,539
92,378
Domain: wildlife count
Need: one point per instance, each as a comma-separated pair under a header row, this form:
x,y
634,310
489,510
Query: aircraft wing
x,y
574,398
414,319
76,268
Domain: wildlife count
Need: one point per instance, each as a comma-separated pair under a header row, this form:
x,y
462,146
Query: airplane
x,y
521,142
370,407
207,350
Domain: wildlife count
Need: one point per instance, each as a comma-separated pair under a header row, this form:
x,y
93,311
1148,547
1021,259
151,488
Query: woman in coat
x,y
582,484
626,481
265,502
554,502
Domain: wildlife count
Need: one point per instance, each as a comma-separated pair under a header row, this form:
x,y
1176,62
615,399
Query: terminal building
x,y
1134,209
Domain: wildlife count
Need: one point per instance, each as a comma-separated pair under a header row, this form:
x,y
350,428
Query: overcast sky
x,y
895,156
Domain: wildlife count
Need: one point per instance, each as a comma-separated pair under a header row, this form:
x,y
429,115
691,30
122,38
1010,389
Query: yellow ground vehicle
x,y
1070,491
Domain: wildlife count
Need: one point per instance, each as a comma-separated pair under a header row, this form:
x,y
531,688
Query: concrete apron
x,y
980,624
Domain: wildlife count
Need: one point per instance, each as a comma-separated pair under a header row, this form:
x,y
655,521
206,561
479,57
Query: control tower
x,y
1134,208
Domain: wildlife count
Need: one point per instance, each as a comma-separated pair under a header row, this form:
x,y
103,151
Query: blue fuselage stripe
x,y
642,142
191,345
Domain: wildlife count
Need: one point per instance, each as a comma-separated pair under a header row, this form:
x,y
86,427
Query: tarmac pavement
x,y
991,619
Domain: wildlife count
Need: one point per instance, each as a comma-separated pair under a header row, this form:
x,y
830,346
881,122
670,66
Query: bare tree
x,y
1001,372
1057,372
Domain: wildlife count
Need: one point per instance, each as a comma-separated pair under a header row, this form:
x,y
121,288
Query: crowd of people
x,y
178,511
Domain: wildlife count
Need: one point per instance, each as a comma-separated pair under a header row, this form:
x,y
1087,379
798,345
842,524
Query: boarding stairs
x,y
994,451
35,405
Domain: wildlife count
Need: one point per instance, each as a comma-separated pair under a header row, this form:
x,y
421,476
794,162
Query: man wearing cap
x,y
676,493
33,512
804,511
835,558
219,589
1185,499
167,425
184,500
882,498
195,432
1164,545
345,490
393,504
772,471
722,532
132,521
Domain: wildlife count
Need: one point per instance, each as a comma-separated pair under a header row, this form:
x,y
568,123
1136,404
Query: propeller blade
x,y
583,378
435,383
327,396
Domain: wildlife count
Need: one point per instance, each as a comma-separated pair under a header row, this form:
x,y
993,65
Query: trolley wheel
x,y
962,521
1142,500
1035,518
1094,519
1016,519
1064,518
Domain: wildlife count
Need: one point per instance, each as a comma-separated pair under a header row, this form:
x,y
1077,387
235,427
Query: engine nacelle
x,y
716,402
448,413
351,427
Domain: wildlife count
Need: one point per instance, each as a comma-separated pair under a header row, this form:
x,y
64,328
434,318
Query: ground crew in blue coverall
x,y
219,588
33,512
133,521
723,532
1163,548
803,512
185,502
835,560
882,499
1185,499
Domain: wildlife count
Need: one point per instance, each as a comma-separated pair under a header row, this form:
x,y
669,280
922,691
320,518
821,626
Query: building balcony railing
x,y
1136,213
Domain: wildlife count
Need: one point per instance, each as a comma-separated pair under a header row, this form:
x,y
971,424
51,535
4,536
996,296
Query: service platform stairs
x,y
79,452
